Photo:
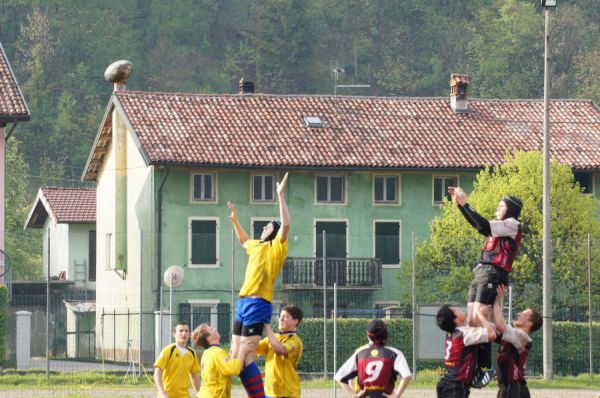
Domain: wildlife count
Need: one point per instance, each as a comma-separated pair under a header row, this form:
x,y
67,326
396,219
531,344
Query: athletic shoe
x,y
482,377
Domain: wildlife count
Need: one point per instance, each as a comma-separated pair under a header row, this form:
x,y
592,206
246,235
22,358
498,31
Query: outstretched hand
x,y
281,185
233,215
459,197
501,290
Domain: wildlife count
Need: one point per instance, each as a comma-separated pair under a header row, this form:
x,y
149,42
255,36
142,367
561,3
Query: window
x,y
387,242
257,227
203,187
440,188
330,189
585,180
92,256
263,188
203,242
385,189
204,311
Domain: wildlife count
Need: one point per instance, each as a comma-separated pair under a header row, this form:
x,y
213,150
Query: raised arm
x,y
497,314
283,210
239,231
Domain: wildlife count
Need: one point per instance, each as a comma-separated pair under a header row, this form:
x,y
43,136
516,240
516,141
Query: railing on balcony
x,y
348,272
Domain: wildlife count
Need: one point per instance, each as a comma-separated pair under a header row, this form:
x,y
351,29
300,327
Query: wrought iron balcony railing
x,y
347,272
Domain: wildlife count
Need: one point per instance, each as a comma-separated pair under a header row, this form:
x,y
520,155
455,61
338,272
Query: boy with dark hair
x,y
282,353
176,364
494,265
515,344
253,311
375,366
461,349
217,366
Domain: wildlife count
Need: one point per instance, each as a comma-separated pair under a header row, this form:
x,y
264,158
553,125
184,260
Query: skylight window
x,y
313,121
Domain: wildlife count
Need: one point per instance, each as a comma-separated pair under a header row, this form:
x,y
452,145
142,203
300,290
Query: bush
x,y
3,323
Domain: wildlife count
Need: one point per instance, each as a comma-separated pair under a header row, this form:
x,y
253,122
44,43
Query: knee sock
x,y
252,380
484,356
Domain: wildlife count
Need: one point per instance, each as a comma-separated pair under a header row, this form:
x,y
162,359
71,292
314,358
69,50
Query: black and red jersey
x,y
461,353
512,355
376,368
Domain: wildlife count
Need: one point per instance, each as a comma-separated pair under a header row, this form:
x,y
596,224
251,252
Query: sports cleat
x,y
482,377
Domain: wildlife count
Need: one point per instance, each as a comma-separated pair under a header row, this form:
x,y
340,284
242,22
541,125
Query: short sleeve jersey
x,y
264,265
177,368
281,377
512,355
217,369
376,368
460,357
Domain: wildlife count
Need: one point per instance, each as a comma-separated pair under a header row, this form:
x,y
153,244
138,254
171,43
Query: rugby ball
x,y
118,71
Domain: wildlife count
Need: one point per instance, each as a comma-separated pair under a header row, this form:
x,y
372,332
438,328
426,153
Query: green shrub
x,y
3,323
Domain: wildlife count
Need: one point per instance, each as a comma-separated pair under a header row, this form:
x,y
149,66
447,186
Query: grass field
x,y
95,384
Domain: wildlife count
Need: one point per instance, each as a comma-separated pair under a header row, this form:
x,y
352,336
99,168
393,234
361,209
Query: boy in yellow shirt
x,y
282,354
253,310
217,367
175,365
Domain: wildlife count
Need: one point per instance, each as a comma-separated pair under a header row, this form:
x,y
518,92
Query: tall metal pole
x,y
48,313
335,336
546,253
590,313
231,307
414,309
324,306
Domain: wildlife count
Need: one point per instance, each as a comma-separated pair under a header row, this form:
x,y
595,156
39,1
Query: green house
x,y
366,173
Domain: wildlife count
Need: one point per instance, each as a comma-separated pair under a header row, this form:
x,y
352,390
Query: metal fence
x,y
339,295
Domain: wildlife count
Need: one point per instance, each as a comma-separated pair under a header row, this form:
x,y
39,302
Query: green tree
x,y
444,261
23,245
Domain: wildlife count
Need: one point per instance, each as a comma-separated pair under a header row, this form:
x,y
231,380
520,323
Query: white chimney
x,y
459,84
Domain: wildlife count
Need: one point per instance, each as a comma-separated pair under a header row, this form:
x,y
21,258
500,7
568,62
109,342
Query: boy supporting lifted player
x,y
282,354
461,344
253,310
495,263
515,344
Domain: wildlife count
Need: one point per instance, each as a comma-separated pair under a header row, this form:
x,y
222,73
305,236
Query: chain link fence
x,y
404,283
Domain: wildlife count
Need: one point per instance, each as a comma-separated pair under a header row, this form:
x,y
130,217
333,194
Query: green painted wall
x,y
415,212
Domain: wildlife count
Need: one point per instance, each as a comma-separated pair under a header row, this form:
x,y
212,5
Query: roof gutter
x,y
159,239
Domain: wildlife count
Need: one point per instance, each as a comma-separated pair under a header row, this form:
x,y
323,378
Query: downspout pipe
x,y
159,238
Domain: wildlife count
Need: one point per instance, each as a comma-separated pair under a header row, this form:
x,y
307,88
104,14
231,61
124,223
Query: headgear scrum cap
x,y
276,225
513,207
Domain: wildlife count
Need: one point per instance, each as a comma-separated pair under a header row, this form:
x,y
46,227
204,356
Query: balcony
x,y
349,273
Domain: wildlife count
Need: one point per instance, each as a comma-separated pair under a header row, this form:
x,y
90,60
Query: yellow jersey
x,y
264,265
217,369
281,377
177,368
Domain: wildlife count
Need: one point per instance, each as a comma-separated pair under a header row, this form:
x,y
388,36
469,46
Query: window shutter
x,y
185,309
224,321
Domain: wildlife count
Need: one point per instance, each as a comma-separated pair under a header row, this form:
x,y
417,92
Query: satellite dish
x,y
173,276
118,71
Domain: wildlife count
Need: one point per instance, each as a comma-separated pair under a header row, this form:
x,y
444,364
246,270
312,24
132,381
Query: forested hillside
x,y
60,48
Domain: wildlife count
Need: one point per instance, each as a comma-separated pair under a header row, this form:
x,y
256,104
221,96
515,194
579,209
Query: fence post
x,y
231,307
589,264
114,334
414,308
324,306
334,335
23,334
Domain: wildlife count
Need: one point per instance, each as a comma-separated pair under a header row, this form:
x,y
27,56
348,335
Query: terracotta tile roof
x,y
12,104
66,205
360,132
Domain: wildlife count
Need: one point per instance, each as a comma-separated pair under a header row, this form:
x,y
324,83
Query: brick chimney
x,y
459,84
245,87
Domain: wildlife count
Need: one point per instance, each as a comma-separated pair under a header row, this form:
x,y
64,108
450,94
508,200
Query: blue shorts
x,y
253,310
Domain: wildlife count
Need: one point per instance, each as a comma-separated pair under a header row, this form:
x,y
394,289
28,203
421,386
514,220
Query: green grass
x,y
87,380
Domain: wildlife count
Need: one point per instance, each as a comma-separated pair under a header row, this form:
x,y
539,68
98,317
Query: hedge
x,y
570,349
3,322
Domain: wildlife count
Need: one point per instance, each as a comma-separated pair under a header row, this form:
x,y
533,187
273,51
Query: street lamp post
x,y
546,252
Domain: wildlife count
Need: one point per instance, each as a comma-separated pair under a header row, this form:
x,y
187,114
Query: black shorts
x,y
452,389
514,390
486,279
